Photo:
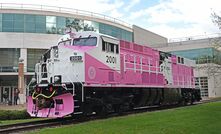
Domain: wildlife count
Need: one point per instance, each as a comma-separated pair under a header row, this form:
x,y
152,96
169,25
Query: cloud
x,y
170,18
137,14
177,18
116,14
98,6
131,4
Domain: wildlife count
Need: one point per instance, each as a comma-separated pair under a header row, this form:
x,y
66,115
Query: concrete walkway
x,y
12,107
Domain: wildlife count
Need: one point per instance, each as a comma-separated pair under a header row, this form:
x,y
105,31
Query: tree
x,y
213,67
216,19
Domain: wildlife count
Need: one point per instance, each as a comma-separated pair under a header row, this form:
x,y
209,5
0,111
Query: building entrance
x,y
7,95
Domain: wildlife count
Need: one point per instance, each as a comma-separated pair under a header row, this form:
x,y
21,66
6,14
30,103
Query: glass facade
x,y
0,22
35,24
29,23
33,56
9,59
202,55
56,25
115,32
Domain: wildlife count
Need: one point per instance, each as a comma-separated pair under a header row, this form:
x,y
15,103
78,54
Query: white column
x,y
23,55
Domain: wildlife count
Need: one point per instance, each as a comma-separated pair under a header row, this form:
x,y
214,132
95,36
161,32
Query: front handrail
x,y
48,97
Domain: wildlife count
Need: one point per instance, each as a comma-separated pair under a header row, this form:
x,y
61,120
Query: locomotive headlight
x,y
56,78
56,53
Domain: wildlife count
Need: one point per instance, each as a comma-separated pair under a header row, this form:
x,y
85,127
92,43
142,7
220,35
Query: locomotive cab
x,y
59,73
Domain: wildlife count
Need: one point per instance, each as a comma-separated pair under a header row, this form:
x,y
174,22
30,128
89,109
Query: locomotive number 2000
x,y
111,59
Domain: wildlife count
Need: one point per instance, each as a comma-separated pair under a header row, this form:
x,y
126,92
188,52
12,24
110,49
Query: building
x,y
27,31
205,52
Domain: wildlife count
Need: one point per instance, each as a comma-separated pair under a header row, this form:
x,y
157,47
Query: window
x,y
180,60
51,24
61,24
103,45
110,47
33,56
77,24
30,23
13,23
7,23
18,23
117,49
34,23
91,26
9,59
40,24
90,41
115,32
202,84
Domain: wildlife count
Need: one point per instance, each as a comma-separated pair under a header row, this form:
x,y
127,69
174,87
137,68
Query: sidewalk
x,y
12,107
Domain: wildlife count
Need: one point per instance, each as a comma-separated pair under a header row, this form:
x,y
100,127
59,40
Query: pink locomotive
x,y
88,72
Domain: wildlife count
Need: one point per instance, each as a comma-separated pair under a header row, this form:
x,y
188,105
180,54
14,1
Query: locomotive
x,y
92,73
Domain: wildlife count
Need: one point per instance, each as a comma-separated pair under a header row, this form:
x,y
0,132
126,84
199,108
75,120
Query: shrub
x,y
13,115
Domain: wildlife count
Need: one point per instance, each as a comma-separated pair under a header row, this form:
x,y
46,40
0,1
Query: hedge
x,y
13,115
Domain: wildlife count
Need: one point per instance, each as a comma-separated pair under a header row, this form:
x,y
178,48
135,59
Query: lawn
x,y
198,119
6,122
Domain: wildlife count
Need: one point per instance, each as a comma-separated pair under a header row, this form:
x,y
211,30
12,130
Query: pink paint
x,y
134,72
59,110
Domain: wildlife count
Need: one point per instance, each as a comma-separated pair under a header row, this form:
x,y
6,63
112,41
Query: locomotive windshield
x,y
89,41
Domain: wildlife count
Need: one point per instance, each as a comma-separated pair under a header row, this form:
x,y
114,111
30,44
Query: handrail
x,y
62,10
48,97
82,88
193,38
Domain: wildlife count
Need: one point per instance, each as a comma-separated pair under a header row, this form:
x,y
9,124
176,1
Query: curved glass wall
x,y
56,25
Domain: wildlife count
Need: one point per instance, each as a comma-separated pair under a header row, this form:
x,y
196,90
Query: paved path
x,y
12,107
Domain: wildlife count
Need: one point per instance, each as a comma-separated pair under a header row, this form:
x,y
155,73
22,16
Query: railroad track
x,y
33,125
19,127
27,126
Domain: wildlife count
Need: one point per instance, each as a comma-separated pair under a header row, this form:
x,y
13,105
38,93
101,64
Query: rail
x,y
197,37
31,125
63,10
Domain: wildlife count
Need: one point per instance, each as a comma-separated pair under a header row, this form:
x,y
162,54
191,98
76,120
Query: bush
x,y
13,115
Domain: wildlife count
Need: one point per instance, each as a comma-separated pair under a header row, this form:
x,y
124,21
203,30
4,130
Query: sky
x,y
169,18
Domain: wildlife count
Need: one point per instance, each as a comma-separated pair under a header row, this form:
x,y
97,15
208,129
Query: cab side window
x,y
110,47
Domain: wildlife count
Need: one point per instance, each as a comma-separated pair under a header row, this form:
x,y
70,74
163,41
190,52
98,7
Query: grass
x,y
6,122
199,119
